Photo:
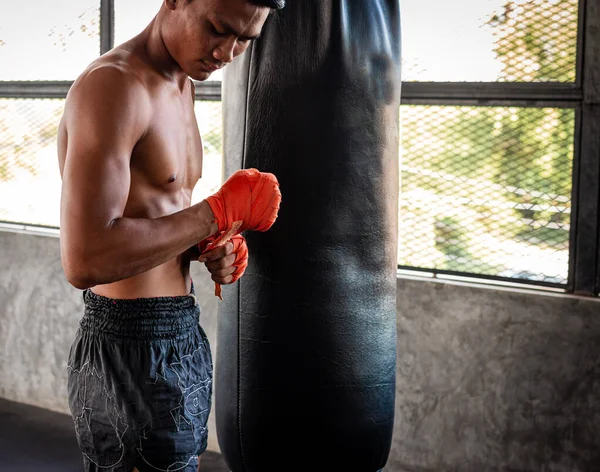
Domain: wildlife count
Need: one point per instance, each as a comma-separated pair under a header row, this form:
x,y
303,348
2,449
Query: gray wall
x,y
496,380
488,379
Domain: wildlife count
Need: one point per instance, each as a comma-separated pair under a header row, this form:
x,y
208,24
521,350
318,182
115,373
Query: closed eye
x,y
229,31
216,32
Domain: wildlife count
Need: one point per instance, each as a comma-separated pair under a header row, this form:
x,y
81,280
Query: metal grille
x,y
210,123
536,40
29,176
487,190
490,40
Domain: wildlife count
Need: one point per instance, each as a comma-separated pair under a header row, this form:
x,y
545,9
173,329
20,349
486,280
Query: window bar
x,y
481,93
107,25
586,192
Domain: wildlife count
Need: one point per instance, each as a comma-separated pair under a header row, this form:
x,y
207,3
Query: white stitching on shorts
x,y
171,468
176,412
89,411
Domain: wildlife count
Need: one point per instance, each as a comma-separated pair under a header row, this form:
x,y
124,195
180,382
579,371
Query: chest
x,y
169,156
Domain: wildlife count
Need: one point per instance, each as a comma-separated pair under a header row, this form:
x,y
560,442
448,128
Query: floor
x,y
36,440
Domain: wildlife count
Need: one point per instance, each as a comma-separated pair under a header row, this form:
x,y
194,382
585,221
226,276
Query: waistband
x,y
141,318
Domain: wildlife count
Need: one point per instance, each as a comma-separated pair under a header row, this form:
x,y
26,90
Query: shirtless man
x,y
130,154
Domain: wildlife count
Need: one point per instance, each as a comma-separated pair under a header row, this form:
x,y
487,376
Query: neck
x,y
157,52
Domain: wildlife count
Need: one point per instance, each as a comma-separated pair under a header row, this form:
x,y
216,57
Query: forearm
x,y
131,246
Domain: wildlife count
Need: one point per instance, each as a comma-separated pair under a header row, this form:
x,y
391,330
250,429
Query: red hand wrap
x,y
249,196
240,249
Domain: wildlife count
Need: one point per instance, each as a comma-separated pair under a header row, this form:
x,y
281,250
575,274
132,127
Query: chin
x,y
195,72
199,75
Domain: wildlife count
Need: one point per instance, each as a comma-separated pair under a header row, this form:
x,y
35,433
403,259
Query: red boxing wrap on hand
x,y
248,196
240,249
248,200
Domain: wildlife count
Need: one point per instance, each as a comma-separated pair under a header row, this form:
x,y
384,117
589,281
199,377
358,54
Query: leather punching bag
x,y
306,355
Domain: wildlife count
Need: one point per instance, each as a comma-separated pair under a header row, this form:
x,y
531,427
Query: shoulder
x,y
108,99
110,80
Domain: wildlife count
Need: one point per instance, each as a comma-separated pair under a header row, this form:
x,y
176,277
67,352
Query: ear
x,y
173,4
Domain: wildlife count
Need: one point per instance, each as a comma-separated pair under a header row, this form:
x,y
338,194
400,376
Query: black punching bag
x,y
306,356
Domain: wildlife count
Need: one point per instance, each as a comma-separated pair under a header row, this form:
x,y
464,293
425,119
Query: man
x,y
140,368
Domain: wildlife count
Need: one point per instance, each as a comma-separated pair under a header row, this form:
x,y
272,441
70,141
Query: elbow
x,y
80,282
79,279
78,273
84,265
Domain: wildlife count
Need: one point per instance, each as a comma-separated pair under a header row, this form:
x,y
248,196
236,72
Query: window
x,y
29,176
500,164
132,16
490,40
48,40
497,140
487,190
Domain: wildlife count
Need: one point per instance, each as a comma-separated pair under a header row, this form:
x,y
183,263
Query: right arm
x,y
107,112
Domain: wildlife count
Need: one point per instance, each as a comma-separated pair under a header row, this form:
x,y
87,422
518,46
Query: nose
x,y
224,52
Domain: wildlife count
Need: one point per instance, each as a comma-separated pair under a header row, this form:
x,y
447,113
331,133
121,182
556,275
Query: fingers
x,y
227,263
219,263
222,267
218,253
223,280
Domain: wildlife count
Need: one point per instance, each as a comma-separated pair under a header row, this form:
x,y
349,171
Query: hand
x,y
227,262
249,198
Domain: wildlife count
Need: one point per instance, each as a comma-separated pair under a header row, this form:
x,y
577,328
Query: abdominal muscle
x,y
167,280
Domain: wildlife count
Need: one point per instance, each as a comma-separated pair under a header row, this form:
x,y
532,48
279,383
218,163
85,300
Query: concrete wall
x,y
488,379
496,380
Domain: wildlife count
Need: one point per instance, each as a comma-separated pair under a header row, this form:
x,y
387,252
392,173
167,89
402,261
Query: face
x,y
205,35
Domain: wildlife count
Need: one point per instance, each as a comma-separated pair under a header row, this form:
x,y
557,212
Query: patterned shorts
x,y
140,384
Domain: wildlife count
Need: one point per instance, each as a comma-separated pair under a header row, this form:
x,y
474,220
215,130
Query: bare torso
x,y
165,165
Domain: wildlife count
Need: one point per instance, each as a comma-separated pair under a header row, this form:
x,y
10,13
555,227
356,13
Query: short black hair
x,y
273,4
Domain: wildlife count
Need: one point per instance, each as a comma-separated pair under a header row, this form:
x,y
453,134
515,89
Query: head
x,y
205,35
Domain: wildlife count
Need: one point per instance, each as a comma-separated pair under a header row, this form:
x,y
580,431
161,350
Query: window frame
x,y
583,96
